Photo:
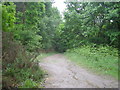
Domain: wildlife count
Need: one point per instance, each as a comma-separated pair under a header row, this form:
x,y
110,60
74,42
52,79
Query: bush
x,y
21,74
19,65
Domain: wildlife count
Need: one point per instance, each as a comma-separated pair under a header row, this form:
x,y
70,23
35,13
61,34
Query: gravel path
x,y
62,73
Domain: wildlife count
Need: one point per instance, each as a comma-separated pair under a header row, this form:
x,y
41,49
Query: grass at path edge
x,y
100,60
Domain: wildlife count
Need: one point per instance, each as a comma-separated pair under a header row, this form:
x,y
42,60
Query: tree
x,y
91,23
49,25
26,30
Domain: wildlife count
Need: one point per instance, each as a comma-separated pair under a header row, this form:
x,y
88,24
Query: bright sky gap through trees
x,y
60,5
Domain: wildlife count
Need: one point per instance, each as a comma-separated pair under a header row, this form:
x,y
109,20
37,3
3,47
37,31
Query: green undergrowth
x,y
101,59
23,76
24,73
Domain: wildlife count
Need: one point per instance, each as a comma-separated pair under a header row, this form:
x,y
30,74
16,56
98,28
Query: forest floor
x,y
62,73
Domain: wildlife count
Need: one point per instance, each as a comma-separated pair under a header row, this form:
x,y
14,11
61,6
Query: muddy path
x,y
64,74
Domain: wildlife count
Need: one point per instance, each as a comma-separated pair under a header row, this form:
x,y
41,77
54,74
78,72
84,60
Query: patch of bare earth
x,y
64,74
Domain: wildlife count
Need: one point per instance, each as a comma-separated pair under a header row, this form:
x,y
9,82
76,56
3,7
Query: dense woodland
x,y
29,28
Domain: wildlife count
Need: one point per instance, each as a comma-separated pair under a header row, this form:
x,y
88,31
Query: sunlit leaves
x,y
8,16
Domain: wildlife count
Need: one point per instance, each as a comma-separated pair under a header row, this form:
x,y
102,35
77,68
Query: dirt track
x,y
64,74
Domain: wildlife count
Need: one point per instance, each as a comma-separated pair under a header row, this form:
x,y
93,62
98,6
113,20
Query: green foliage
x,y
31,27
26,75
29,84
48,26
0,15
90,23
39,31
26,29
30,39
8,16
103,59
